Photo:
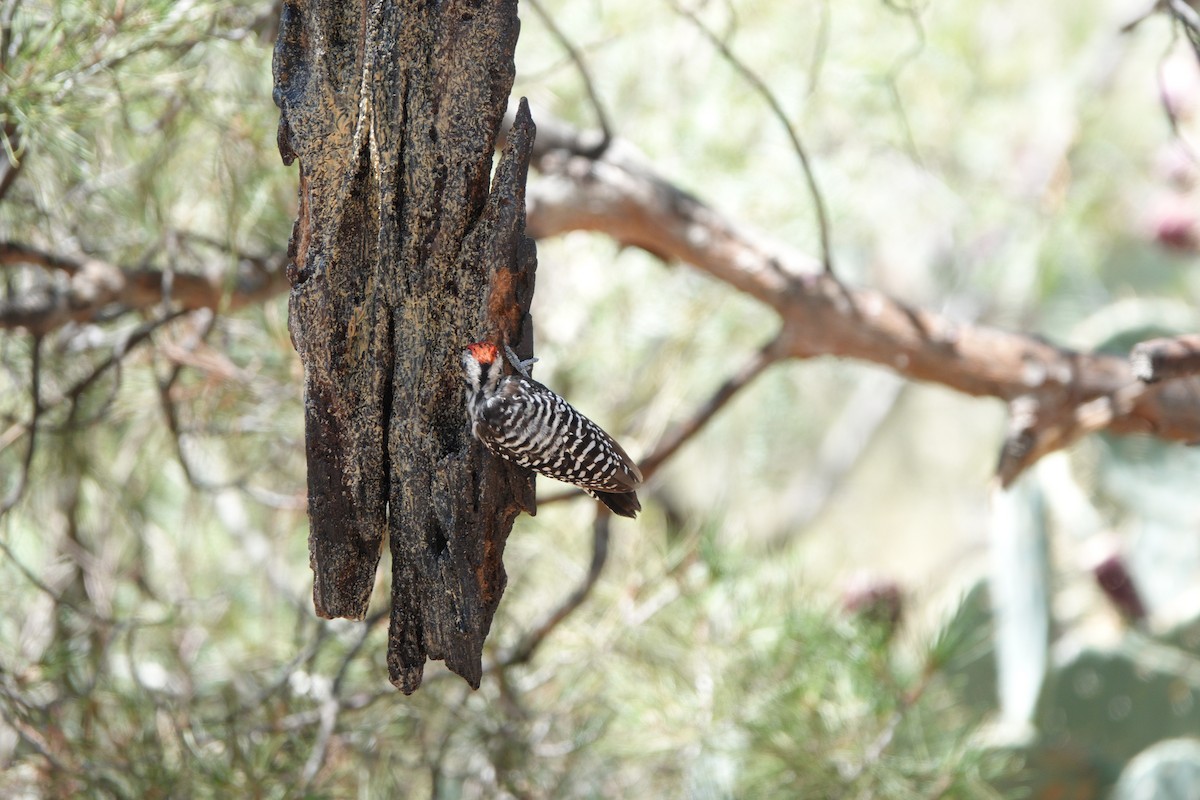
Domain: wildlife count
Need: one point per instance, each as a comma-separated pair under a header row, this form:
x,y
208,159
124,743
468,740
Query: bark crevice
x,y
401,256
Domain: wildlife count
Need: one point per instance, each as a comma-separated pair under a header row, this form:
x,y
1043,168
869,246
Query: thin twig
x,y
1189,18
767,355
367,626
35,405
304,719
113,361
11,165
139,335
581,65
32,427
683,433
171,414
845,441
525,648
893,73
1165,101
85,611
260,263
36,742
821,48
13,253
330,710
269,690
764,91
879,745
33,579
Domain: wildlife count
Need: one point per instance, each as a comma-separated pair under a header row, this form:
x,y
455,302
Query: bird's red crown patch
x,y
483,352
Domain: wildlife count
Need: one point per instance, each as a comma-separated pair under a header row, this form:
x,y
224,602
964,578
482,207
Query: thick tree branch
x,y
618,194
1162,359
90,290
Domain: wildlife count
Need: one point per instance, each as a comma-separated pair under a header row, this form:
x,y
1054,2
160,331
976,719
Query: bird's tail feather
x,y
623,504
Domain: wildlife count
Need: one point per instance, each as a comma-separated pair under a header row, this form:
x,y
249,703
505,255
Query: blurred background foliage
x,y
1019,164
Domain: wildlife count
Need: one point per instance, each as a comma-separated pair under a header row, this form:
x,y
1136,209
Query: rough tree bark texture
x,y
399,258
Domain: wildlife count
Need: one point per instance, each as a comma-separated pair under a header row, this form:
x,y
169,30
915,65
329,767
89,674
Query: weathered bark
x,y
400,257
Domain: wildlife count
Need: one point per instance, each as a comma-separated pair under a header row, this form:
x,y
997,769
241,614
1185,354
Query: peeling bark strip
x,y
399,258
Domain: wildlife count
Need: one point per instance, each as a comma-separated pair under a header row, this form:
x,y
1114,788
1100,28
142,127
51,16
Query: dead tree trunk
x,y
399,258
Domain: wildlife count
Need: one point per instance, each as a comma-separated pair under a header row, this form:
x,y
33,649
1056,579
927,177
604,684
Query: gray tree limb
x,y
1061,394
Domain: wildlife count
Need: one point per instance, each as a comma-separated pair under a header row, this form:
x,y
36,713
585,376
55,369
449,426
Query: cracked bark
x,y
399,257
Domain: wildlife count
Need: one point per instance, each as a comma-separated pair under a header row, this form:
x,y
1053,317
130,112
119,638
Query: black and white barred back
x,y
521,420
